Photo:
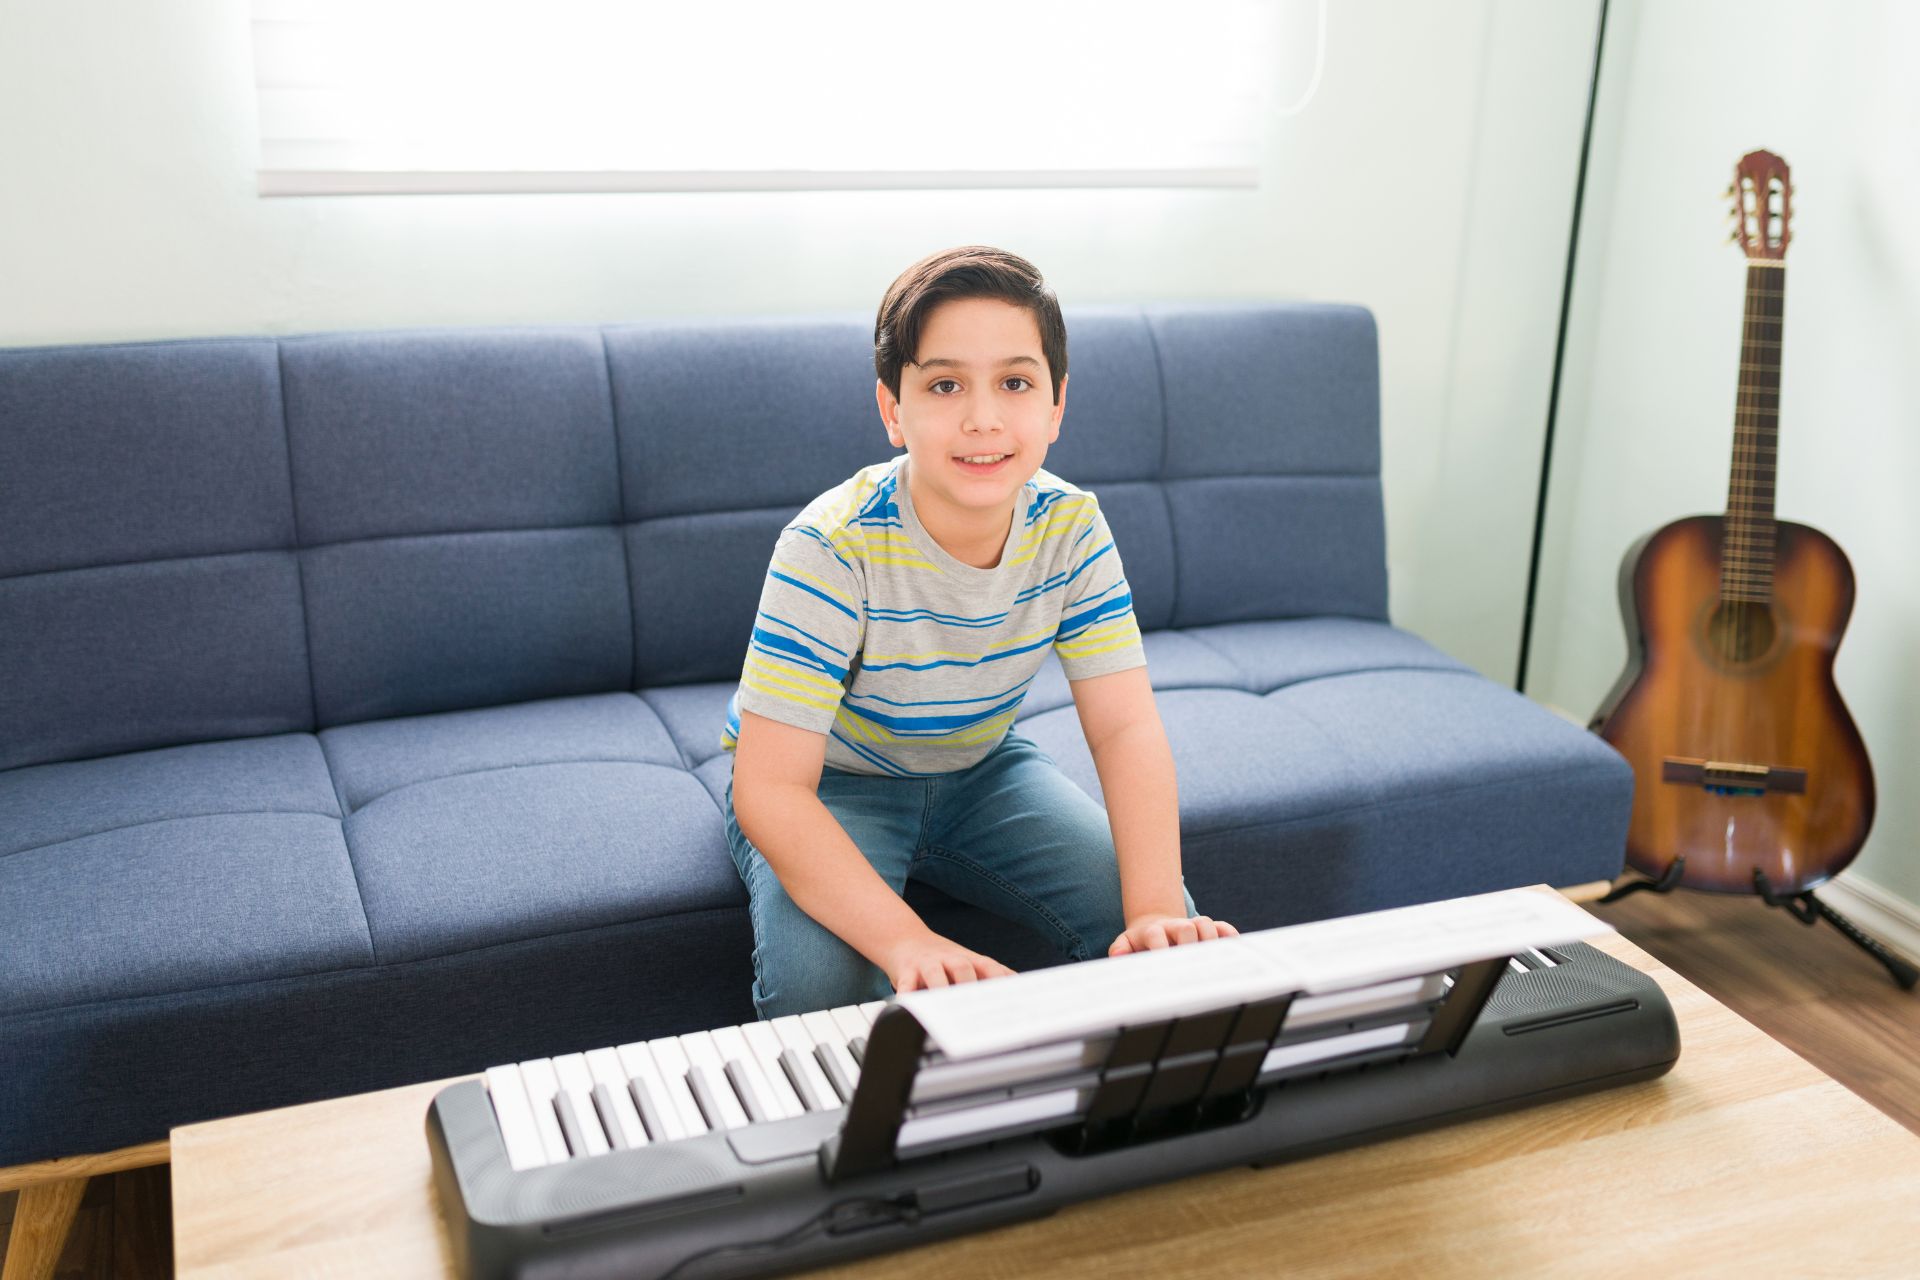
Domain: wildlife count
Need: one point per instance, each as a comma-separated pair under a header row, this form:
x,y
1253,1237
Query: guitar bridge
x,y
1731,778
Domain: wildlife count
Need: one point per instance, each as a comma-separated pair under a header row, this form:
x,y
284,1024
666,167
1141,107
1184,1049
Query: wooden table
x,y
1744,1159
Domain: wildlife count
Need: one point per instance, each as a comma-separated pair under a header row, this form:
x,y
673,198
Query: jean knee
x,y
800,965
803,969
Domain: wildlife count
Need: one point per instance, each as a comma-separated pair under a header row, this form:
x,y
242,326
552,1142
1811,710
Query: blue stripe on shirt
x,y
813,591
793,651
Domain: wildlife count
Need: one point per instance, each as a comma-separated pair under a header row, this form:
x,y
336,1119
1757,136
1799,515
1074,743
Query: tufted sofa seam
x,y
621,524
508,768
1160,474
1220,654
686,762
387,966
620,491
346,842
1287,684
293,514
154,822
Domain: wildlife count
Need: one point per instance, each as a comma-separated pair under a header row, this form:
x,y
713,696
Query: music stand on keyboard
x,y
1162,1077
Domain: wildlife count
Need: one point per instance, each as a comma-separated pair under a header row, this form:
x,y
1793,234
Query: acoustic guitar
x,y
1749,775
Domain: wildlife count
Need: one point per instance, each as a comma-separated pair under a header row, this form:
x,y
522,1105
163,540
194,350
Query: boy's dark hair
x,y
970,271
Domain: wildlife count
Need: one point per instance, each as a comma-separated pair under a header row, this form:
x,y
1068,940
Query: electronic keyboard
x,y
775,1146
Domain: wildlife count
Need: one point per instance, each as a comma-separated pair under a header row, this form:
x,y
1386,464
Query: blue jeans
x,y
1011,835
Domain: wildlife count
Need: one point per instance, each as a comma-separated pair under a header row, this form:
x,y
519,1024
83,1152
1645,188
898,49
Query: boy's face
x,y
979,388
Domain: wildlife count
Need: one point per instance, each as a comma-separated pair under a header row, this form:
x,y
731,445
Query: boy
x,y
904,614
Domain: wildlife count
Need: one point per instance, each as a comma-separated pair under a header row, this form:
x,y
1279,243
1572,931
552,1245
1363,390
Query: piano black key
x,y
570,1124
857,1046
836,1074
609,1118
795,1067
649,1109
736,1073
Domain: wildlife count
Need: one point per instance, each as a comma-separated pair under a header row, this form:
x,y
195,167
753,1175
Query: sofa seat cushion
x,y
477,828
1382,787
173,870
372,759
1258,657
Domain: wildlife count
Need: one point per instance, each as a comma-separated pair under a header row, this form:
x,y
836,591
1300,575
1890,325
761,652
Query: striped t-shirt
x,y
911,661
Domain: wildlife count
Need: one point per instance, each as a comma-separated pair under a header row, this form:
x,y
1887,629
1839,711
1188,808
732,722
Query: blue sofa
x,y
360,694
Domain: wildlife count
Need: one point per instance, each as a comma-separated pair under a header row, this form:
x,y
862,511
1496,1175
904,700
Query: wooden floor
x,y
1806,986
124,1230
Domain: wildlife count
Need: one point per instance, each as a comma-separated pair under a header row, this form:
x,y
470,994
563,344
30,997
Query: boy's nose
x,y
981,416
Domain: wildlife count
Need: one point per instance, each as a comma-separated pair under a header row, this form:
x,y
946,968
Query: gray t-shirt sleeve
x,y
806,635
1098,632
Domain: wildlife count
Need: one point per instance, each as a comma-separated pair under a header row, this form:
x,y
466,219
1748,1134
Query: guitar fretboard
x,y
1746,561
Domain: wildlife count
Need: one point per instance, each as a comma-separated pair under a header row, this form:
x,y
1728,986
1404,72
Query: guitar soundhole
x,y
1741,630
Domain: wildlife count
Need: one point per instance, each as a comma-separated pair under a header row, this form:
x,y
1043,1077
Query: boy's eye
x,y
941,388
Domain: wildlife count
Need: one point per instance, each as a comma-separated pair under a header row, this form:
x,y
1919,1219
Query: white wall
x,y
1646,427
1431,179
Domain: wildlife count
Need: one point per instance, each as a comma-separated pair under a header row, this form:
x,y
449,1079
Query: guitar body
x,y
1746,686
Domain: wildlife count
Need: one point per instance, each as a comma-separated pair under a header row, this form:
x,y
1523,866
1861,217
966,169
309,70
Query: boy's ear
x,y
890,413
1059,409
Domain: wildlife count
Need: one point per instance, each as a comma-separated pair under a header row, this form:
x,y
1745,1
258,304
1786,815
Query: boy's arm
x,y
1129,744
776,800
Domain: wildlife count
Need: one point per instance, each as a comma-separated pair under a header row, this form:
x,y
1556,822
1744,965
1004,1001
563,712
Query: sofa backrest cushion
x,y
217,539
149,590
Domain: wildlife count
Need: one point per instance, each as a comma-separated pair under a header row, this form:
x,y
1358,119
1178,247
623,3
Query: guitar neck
x,y
1746,569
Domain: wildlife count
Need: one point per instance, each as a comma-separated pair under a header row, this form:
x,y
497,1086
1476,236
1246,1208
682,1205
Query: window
x,y
595,95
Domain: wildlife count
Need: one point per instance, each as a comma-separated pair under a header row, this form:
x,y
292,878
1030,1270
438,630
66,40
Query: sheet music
x,y
976,1018
1095,995
1356,950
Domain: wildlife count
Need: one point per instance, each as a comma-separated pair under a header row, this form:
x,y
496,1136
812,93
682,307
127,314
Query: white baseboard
x,y
1879,911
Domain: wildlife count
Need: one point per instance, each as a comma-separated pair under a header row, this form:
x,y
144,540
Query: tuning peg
x,y
1731,187
1733,237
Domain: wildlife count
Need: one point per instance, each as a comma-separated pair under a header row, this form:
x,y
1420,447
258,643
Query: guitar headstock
x,y
1762,194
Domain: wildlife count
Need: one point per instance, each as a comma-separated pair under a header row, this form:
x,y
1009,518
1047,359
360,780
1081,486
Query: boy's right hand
x,y
933,961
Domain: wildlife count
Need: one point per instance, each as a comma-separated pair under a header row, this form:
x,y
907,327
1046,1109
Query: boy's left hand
x,y
1151,933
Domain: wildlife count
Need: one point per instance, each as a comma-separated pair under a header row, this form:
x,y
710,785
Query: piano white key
x,y
701,1052
765,1043
850,1021
577,1081
510,1106
542,1084
871,1010
828,1037
671,1059
637,1061
604,1064
794,1035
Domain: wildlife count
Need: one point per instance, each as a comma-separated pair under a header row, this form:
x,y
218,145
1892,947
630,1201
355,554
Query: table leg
x,y
41,1221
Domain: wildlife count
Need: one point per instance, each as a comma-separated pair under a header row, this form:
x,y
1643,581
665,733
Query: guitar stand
x,y
1802,906
1806,908
1669,881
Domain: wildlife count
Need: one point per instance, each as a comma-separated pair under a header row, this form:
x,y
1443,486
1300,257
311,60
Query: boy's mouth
x,y
982,463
